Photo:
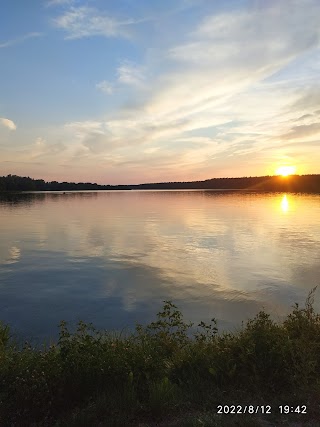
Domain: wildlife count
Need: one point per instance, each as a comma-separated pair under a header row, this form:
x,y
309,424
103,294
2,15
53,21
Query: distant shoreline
x,y
293,183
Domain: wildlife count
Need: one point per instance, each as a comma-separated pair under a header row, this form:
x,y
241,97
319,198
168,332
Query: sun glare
x,y
286,170
284,204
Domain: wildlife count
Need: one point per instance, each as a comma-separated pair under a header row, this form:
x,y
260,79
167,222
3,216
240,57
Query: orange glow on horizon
x,y
286,170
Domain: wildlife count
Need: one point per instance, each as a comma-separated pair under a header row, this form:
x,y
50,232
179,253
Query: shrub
x,y
91,376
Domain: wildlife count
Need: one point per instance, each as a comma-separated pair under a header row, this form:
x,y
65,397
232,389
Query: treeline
x,y
22,183
294,183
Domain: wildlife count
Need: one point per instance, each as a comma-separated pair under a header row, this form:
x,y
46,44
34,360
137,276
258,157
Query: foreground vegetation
x,y
161,375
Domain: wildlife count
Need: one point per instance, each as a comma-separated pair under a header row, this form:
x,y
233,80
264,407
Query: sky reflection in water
x,y
111,258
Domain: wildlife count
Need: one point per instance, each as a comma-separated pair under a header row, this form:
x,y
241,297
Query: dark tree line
x,y
294,183
22,183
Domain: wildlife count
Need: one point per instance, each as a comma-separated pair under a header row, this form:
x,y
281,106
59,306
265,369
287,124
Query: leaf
x,y
212,371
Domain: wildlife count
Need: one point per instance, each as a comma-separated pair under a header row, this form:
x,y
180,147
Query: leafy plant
x,y
91,376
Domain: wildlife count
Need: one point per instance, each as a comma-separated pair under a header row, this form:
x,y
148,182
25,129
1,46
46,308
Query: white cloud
x,y
105,87
92,135
20,39
212,104
130,74
8,123
231,52
79,22
83,128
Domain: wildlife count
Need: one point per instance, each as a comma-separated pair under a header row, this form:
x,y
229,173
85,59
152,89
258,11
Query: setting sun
x,y
286,170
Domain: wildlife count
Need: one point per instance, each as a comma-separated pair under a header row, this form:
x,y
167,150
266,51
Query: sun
x,y
286,170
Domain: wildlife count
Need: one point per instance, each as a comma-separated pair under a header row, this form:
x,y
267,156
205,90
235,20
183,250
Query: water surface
x,y
111,258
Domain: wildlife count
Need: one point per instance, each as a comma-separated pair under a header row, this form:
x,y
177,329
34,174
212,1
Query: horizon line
x,y
168,182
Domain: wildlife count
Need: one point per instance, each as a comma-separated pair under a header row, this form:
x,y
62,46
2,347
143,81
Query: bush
x,y
91,376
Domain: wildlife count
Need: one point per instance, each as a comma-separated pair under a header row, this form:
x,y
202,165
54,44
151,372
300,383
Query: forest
x,y
293,183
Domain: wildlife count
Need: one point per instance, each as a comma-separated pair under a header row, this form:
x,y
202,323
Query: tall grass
x,y
92,377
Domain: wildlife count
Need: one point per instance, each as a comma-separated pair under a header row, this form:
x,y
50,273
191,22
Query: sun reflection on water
x,y
284,204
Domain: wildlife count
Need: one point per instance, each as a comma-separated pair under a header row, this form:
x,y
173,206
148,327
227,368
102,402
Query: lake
x,y
111,258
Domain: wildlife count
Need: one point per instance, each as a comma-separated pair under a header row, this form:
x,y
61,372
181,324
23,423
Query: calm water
x,y
111,258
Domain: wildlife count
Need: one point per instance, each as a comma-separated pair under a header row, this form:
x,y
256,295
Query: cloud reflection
x,y
14,255
112,258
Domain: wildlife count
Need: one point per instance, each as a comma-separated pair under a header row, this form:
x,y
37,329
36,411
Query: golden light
x,y
286,170
284,204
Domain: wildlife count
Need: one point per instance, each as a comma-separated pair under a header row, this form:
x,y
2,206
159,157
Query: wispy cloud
x,y
105,87
8,123
302,131
127,74
89,135
20,39
84,21
219,99
212,86
130,74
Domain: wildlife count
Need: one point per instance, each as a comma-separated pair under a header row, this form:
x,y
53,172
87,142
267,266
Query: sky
x,y
134,91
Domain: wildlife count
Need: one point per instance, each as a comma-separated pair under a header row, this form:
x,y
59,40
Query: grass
x,y
162,376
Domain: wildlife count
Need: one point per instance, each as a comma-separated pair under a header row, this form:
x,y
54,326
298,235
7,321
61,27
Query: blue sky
x,y
133,91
